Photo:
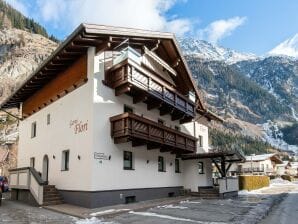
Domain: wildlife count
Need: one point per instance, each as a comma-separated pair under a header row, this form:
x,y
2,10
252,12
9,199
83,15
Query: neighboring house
x,y
258,164
113,116
281,169
292,169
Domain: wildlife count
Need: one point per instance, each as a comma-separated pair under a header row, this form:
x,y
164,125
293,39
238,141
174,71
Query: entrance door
x,y
45,168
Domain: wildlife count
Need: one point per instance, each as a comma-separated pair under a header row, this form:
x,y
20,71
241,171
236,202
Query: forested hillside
x,y
11,18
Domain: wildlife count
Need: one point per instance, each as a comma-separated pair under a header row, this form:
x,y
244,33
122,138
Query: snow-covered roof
x,y
259,157
262,157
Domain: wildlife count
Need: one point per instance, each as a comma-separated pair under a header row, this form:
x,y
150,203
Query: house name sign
x,y
78,126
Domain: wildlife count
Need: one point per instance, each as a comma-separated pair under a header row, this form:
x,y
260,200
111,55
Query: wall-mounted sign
x,y
78,126
101,156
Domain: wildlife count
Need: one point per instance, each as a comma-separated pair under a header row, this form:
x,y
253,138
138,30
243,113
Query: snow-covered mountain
x,y
254,94
207,51
287,48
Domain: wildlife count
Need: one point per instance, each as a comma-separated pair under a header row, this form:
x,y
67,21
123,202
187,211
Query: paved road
x,y
286,212
13,212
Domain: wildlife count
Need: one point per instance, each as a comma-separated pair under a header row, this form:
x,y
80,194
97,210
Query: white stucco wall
x,y
52,139
196,129
191,177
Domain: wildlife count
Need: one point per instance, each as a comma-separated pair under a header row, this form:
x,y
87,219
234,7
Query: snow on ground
x,y
172,206
92,220
109,211
152,214
274,184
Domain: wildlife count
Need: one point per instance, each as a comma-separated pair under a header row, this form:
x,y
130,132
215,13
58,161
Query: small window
x,y
33,130
201,168
32,162
127,160
65,160
161,164
200,140
48,119
160,121
177,166
128,109
177,128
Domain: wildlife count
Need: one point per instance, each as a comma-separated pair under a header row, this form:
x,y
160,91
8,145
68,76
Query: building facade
x,y
108,121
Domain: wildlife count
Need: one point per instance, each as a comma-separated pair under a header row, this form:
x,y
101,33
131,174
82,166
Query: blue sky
x,y
254,26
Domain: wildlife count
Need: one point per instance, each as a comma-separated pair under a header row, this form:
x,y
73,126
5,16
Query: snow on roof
x,y
259,157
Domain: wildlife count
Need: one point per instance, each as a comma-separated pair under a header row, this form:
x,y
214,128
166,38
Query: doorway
x,y
45,168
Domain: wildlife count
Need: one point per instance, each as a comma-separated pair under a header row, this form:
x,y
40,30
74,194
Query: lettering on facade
x,y
78,126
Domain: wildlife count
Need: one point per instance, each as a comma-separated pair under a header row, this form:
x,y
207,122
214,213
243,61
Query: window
x,y
177,128
33,130
65,160
32,162
127,160
200,141
177,166
161,164
160,121
48,119
128,109
201,168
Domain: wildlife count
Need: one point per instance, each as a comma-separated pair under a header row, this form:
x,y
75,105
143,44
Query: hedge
x,y
253,182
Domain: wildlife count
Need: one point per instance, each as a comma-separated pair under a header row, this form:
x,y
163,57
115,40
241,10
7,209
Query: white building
x,y
259,164
112,116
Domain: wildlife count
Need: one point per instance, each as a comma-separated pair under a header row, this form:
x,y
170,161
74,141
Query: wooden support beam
x,y
154,105
218,167
166,149
136,143
177,116
151,146
228,168
121,140
165,110
139,97
121,90
185,120
223,166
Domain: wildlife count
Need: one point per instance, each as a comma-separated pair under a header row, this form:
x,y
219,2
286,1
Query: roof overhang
x,y
229,156
103,38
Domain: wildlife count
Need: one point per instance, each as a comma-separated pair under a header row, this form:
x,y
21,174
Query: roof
x,y
263,157
229,155
103,38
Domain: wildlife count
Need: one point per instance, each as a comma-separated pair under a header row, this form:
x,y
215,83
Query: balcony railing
x,y
144,86
142,131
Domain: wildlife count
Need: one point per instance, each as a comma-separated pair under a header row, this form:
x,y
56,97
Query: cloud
x,y
18,5
220,29
145,14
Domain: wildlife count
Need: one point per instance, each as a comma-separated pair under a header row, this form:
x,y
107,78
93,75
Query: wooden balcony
x,y
145,86
141,131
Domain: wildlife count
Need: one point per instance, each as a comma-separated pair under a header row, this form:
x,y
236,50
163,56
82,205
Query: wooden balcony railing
x,y
144,86
142,131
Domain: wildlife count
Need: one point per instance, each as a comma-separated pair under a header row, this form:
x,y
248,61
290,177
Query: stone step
x,y
56,197
57,202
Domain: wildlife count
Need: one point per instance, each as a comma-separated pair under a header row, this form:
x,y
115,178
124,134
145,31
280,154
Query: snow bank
x,y
279,181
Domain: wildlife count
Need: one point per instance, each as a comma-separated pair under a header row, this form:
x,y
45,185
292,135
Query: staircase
x,y
51,196
207,193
